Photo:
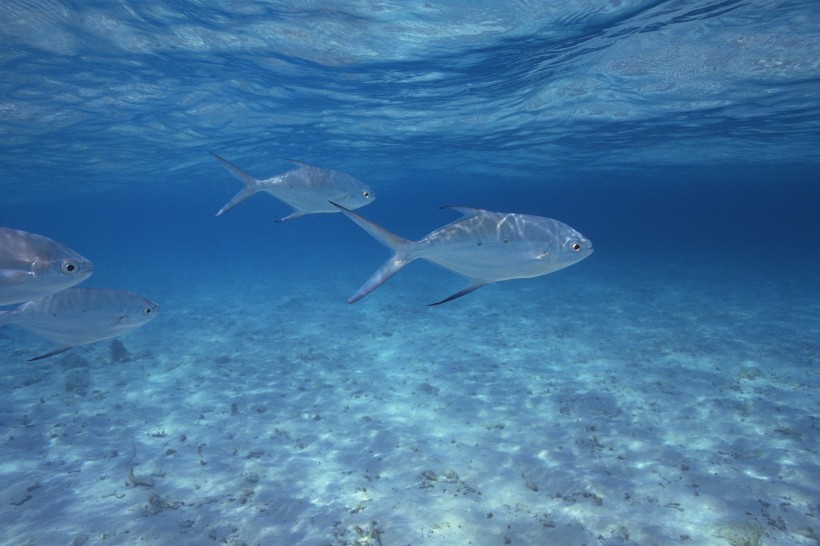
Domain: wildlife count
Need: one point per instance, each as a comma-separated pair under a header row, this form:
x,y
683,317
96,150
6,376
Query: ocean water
x,y
665,390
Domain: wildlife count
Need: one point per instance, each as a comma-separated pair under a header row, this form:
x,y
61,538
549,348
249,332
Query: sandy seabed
x,y
593,407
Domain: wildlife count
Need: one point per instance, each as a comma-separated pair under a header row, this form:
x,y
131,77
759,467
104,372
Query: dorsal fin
x,y
466,212
303,163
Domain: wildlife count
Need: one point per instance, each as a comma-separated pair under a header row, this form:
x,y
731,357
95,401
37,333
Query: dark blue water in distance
x,y
756,223
663,390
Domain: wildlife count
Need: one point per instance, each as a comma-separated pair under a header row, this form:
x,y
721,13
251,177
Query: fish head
x,y
145,312
569,247
137,313
356,198
63,272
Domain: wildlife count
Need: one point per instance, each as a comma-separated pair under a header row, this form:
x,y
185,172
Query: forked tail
x,y
402,253
251,184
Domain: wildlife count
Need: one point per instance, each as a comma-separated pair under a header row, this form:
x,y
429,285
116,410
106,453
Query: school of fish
x,y
41,274
482,246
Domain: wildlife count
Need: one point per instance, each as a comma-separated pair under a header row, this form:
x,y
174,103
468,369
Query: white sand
x,y
590,407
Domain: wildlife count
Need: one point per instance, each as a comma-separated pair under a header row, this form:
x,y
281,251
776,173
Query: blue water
x,y
662,391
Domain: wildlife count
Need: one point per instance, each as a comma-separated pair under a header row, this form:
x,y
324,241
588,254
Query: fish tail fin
x,y
5,317
385,237
387,270
402,256
251,184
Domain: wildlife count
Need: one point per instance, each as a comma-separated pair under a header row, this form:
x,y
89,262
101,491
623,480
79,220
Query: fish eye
x,y
575,246
366,194
69,267
148,310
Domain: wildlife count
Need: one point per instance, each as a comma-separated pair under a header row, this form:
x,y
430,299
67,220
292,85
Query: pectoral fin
x,y
13,276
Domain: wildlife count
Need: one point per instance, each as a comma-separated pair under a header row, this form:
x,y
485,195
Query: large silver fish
x,y
78,316
33,266
483,246
307,189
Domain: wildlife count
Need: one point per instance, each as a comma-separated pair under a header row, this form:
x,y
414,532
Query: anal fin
x,y
292,216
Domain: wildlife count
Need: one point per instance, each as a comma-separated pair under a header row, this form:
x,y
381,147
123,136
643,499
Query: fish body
x,y
33,266
78,316
483,246
308,189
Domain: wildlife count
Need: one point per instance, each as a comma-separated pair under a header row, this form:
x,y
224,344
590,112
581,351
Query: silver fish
x,y
78,316
33,266
483,246
307,189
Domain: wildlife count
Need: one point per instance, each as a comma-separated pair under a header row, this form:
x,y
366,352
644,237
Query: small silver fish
x,y
307,189
33,266
483,246
78,316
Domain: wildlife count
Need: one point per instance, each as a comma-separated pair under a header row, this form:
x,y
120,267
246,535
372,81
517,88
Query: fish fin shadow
x,y
50,353
463,292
